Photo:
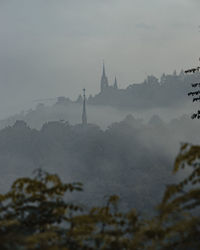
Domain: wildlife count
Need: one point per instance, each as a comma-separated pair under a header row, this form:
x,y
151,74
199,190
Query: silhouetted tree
x,y
33,211
35,215
196,93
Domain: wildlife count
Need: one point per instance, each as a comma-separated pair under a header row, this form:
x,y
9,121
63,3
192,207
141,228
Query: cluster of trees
x,y
110,161
36,214
114,160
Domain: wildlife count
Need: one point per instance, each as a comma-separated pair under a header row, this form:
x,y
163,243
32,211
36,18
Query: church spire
x,y
104,80
104,72
84,115
115,83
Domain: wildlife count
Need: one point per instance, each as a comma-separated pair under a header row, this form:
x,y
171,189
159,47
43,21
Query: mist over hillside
x,y
128,147
166,97
99,125
101,115
130,158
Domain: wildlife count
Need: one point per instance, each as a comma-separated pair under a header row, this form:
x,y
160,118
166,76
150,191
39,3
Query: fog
x,y
57,48
119,159
51,50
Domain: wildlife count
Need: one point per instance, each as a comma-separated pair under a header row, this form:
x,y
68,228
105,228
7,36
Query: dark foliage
x,y
35,215
195,93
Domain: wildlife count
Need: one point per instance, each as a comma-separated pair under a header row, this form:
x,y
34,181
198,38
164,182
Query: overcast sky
x,y
50,48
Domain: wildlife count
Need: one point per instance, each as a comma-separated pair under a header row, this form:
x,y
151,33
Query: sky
x,y
54,48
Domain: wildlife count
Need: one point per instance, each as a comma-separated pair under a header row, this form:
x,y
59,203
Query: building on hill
x,y
152,92
104,82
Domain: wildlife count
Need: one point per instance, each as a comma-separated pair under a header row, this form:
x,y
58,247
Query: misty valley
x,y
99,125
131,159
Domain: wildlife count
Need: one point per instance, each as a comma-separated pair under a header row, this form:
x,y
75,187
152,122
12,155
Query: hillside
x,y
130,158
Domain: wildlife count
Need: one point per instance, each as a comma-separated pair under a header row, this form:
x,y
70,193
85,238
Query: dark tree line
x,y
114,160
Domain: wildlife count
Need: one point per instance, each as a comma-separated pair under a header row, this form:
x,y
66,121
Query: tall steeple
x,y
115,84
84,115
104,79
104,72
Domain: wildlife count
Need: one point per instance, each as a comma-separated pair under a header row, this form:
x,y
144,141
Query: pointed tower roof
x,y
84,115
115,83
104,80
104,72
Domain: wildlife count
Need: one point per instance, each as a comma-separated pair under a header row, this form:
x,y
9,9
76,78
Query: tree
x,y
35,215
32,212
196,93
177,225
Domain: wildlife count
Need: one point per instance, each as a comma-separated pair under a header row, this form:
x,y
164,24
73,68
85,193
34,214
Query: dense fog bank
x,y
97,114
166,97
131,158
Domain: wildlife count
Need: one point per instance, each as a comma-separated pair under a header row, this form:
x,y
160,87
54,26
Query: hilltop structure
x,y
167,91
104,82
170,91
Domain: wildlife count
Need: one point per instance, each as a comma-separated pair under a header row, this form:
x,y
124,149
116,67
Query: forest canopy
x,y
36,214
106,161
